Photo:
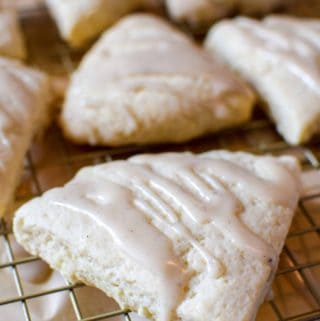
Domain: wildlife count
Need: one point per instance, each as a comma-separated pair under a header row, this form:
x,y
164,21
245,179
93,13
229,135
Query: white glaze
x,y
289,40
24,97
110,206
15,102
146,46
137,200
154,85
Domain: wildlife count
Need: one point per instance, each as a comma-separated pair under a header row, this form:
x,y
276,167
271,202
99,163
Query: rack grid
x,y
53,161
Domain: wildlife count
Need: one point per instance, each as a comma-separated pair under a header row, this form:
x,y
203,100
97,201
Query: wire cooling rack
x,y
53,161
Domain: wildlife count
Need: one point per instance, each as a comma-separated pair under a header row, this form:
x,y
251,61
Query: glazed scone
x,y
80,21
280,58
146,82
172,236
11,39
24,108
200,14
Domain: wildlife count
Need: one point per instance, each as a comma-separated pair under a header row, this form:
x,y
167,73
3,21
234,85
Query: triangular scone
x,y
200,14
146,82
173,236
11,39
24,101
280,57
80,21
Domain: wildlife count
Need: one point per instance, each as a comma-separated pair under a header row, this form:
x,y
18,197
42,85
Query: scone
x,y
80,21
280,58
24,101
172,236
200,14
11,39
146,82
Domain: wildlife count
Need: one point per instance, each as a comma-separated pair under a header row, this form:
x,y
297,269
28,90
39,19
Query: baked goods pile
x,y
172,236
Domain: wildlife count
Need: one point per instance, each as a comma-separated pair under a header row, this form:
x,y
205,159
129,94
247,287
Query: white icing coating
x,y
12,112
154,85
144,45
135,201
110,205
284,40
279,56
24,97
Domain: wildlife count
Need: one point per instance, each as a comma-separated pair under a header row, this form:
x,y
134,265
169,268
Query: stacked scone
x,y
173,236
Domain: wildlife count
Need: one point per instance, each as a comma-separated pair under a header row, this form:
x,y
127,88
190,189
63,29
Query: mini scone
x,y
173,236
280,58
146,82
201,14
11,39
80,21
24,108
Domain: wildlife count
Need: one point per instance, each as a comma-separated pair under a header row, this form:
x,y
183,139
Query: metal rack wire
x,y
297,284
